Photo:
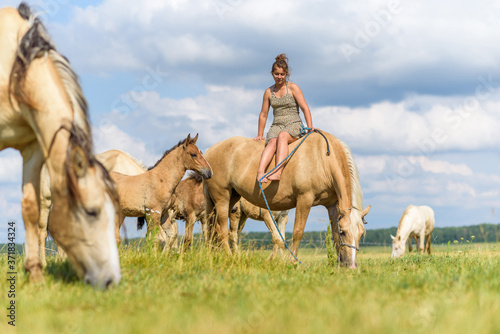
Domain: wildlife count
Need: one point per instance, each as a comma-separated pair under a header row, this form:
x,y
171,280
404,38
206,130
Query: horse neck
x,y
404,228
56,162
342,177
170,168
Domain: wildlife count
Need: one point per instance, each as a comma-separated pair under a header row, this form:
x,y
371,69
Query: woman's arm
x,y
263,115
301,101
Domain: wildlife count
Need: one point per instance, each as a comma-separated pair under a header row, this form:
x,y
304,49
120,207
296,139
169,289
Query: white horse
x,y
417,222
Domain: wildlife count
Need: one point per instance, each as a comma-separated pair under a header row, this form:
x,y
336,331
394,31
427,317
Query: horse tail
x,y
140,222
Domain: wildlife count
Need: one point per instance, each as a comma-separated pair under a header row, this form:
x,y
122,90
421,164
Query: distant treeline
x,y
380,237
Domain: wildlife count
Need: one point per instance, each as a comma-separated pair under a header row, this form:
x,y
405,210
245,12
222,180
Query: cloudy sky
x,y
413,87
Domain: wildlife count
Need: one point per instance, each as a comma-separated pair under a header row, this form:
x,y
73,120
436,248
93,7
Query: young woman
x,y
285,97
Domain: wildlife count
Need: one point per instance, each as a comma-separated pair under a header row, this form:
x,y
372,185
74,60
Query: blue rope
x,y
303,131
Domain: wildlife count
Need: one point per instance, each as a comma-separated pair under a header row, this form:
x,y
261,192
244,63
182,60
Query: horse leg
x,y
222,217
421,243
234,219
410,249
241,225
278,244
45,203
174,239
118,225
204,226
167,230
32,165
188,233
301,213
160,237
428,245
282,221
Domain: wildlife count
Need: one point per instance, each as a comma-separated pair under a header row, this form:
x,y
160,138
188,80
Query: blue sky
x,y
412,87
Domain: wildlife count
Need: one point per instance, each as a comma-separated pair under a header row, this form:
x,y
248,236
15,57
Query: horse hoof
x,y
36,275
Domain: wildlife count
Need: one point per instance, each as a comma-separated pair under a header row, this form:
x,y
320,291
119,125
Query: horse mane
x,y
167,152
36,43
356,193
78,140
405,213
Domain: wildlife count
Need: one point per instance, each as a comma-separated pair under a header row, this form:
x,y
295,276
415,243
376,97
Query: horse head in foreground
x,y
44,116
311,177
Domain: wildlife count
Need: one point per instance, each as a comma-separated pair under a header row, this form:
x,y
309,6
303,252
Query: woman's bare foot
x,y
259,176
274,177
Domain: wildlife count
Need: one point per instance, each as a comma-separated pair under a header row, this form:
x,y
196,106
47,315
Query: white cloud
x,y
110,137
422,46
439,124
443,167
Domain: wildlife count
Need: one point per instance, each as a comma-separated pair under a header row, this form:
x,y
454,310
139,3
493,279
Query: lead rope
x,y
302,133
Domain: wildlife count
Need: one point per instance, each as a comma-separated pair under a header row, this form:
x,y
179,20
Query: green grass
x,y
456,290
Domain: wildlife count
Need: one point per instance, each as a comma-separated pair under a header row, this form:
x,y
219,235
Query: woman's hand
x,y
259,138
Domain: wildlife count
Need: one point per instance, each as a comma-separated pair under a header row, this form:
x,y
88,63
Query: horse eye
x,y
341,232
92,212
193,155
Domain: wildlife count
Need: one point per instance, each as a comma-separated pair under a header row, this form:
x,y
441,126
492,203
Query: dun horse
x,y
43,114
112,160
310,177
148,195
188,204
417,222
244,210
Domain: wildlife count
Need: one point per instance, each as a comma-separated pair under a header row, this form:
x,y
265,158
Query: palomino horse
x,y
44,116
310,177
112,160
417,222
244,210
188,204
148,195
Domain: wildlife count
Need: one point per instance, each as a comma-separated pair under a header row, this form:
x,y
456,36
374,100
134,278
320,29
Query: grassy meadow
x,y
456,290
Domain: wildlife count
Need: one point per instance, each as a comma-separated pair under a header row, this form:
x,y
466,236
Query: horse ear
x,y
366,210
188,139
393,237
195,139
79,162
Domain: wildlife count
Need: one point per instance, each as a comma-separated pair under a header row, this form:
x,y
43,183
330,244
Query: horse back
x,y
309,171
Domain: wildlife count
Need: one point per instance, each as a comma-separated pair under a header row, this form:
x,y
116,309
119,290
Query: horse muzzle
x,y
206,173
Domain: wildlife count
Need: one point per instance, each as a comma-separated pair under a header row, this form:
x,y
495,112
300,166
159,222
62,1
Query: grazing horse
x,y
311,177
417,222
244,210
43,114
148,194
188,204
112,160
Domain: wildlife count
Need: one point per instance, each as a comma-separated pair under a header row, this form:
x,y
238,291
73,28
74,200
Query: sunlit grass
x,y
456,290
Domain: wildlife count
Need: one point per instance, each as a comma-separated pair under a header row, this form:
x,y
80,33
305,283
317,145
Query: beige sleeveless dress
x,y
286,116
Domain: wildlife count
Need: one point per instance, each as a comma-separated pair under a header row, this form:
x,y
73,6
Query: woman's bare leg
x,y
284,139
265,159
